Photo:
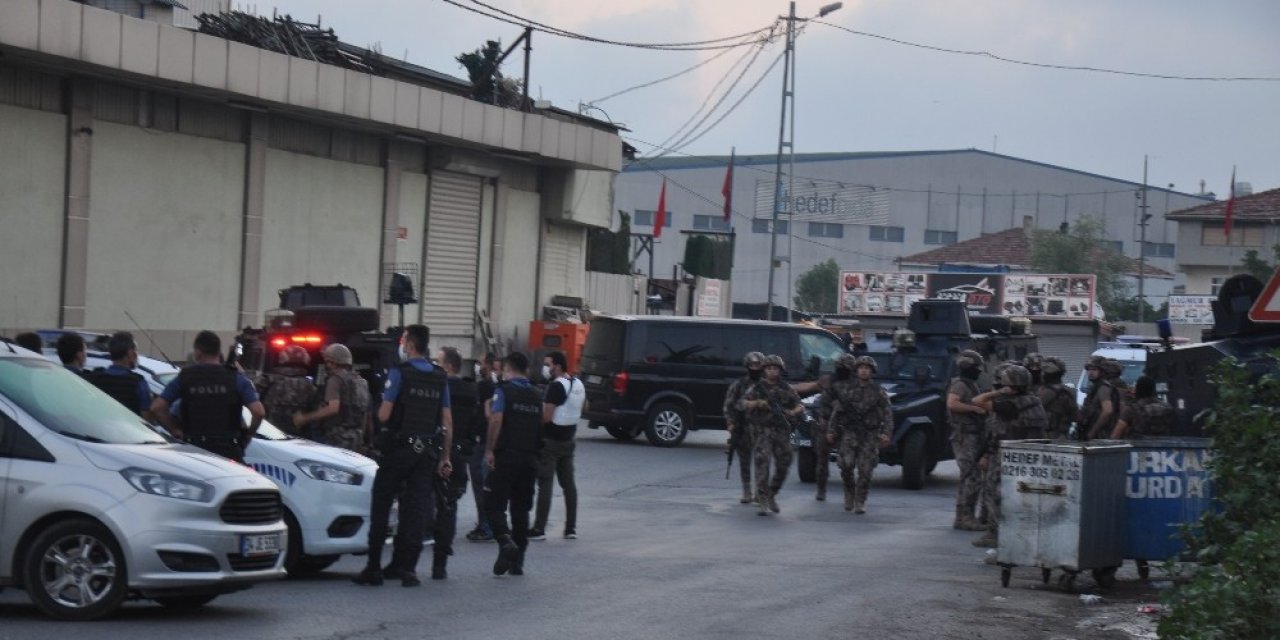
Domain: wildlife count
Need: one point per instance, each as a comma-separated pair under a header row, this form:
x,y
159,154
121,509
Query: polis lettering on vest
x,y
429,394
208,390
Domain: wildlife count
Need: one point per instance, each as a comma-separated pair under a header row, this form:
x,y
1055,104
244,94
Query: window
x,y
937,236
710,223
642,218
826,230
887,234
740,341
1215,284
1242,235
1114,245
683,345
1158,250
761,225
818,353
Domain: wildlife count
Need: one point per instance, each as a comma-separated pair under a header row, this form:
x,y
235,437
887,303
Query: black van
x,y
667,375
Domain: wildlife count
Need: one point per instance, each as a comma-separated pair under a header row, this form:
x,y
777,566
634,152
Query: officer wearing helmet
x,y
1015,414
1034,363
845,365
769,405
861,423
1058,400
1102,404
740,442
286,389
1147,416
967,433
343,417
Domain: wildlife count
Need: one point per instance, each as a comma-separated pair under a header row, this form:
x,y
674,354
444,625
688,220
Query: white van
x,y
96,507
1129,351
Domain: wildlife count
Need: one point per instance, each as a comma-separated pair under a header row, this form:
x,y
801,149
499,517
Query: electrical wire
x,y
746,55
726,42
684,140
663,79
731,109
1043,65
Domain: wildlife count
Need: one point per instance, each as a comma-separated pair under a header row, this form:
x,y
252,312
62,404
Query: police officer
x,y
29,340
287,390
465,410
511,452
1147,416
1101,405
562,406
342,420
1058,400
1015,414
71,352
211,395
861,424
769,406
415,411
844,366
487,373
967,425
120,381
736,421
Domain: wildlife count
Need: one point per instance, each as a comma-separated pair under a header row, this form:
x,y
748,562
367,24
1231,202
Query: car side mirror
x,y
922,374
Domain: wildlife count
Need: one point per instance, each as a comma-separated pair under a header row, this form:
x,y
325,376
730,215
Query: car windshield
x,y
902,366
165,378
1132,371
268,431
66,403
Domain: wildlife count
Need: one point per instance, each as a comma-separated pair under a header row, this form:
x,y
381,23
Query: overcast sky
x,y
861,94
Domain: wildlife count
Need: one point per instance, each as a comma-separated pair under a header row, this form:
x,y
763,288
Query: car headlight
x,y
329,473
163,484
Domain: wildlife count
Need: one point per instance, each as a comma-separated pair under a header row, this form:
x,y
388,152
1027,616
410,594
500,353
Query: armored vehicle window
x,y
820,346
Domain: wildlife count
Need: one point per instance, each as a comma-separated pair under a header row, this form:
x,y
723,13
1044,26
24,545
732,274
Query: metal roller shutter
x,y
563,261
1073,344
452,254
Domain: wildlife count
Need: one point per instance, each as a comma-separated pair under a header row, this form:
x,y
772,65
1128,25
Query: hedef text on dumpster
x,y
1045,466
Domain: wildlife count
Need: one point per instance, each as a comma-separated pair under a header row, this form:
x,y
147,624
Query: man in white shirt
x,y
562,407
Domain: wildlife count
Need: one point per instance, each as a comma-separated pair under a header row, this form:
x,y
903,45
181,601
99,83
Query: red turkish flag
x,y
660,218
727,189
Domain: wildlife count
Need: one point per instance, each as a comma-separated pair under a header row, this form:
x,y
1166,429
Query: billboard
x,y
824,201
1191,309
1032,295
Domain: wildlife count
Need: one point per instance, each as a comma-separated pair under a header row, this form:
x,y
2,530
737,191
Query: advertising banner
x,y
1032,295
1191,309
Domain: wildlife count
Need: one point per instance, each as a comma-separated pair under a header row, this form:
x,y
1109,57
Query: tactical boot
x,y
848,500
773,502
988,540
409,579
965,521
370,577
439,563
507,552
763,503
859,508
822,493
517,567
748,496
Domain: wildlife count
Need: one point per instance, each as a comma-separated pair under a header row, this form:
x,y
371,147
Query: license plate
x,y
260,545
594,380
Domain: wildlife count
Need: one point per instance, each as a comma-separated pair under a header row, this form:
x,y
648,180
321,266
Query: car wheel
x,y
621,432
915,461
806,464
74,570
185,603
667,424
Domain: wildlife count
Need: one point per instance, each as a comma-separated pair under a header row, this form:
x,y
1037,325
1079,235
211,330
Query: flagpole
x,y
1142,245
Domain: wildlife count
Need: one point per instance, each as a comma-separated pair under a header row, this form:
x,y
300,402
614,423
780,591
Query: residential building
x,y
1207,255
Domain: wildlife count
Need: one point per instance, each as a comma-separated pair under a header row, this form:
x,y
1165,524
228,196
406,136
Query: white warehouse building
x,y
866,210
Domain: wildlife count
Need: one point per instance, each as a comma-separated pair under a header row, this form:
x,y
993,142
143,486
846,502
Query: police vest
x,y
416,411
521,419
463,404
121,387
210,401
1093,405
1154,418
966,423
568,413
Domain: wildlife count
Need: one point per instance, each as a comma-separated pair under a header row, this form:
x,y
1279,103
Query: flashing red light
x,y
620,383
279,343
306,338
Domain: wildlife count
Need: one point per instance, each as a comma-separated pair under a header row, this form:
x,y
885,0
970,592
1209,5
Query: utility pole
x,y
1142,243
786,143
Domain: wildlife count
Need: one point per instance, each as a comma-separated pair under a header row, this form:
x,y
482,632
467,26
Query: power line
x,y
733,107
747,55
1044,65
663,79
725,42
684,140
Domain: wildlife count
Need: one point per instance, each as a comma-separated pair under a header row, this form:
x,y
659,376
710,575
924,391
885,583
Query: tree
x,y
708,257
482,69
1126,309
816,289
610,251
1258,267
1082,248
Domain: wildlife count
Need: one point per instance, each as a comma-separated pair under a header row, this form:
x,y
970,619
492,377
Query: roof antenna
x,y
149,338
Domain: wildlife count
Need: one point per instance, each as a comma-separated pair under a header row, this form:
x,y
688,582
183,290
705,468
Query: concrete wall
x,y
31,206
321,224
164,229
514,299
615,293
413,214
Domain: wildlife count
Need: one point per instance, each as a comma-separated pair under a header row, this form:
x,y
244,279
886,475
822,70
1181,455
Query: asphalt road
x,y
665,551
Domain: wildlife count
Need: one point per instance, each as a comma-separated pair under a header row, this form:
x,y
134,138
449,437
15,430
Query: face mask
x,y
546,372
403,354
970,374
754,374
475,370
842,374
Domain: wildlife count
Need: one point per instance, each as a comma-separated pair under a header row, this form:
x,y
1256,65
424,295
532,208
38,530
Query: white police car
x,y
326,490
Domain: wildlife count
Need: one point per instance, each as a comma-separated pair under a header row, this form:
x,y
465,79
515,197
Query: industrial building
x,y
868,210
182,179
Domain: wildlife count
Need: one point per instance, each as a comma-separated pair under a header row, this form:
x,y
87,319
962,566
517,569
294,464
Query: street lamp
x,y
785,141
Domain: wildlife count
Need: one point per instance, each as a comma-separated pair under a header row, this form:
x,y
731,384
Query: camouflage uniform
x,y
771,435
346,429
860,415
821,448
284,392
1147,418
1103,388
1016,417
741,440
966,441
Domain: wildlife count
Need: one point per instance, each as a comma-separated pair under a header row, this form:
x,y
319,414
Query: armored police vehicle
x,y
915,366
1181,371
